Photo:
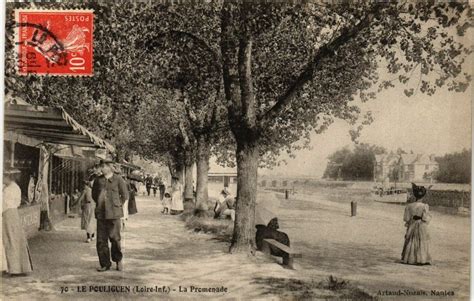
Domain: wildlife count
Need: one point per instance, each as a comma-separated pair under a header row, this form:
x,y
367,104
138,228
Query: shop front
x,y
23,153
53,153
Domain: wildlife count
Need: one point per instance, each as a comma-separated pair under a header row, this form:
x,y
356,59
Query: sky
x,y
433,125
437,124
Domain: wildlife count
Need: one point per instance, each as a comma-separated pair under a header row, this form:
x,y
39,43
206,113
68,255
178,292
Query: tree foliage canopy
x,y
455,167
309,62
357,164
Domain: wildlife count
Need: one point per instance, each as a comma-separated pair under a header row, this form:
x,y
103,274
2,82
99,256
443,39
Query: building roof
x,y
387,159
422,159
50,125
218,170
409,158
426,160
406,159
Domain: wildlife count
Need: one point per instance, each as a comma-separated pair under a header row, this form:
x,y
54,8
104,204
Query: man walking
x,y
148,184
162,187
109,193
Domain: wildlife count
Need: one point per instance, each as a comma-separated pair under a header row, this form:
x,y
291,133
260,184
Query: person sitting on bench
x,y
270,232
226,206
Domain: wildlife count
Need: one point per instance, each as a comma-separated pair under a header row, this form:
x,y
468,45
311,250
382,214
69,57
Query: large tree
x,y
186,67
106,101
289,69
356,164
454,167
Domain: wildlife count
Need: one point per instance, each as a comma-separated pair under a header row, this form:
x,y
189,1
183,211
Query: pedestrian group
x,y
108,199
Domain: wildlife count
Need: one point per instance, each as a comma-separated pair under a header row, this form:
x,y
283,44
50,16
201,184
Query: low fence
x,y
30,219
30,215
449,198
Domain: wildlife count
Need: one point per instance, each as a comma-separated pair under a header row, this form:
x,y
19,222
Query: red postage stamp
x,y
55,42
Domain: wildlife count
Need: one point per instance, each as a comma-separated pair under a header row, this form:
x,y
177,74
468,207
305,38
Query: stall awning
x,y
50,125
130,165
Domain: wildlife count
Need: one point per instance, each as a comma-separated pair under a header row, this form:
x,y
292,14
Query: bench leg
x,y
288,261
266,248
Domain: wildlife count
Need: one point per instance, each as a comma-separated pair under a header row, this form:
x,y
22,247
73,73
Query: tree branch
x,y
216,55
245,78
328,50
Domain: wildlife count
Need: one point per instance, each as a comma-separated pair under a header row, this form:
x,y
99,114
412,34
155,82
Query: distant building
x,y
221,177
384,166
405,167
224,175
278,181
420,167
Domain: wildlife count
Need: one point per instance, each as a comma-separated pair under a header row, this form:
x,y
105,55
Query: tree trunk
x,y
179,173
188,182
236,52
202,165
243,239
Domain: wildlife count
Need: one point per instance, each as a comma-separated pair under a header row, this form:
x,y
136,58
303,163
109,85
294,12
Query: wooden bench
x,y
289,253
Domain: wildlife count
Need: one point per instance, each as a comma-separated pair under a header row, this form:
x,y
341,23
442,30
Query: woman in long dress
x,y
132,205
417,239
15,245
88,222
176,197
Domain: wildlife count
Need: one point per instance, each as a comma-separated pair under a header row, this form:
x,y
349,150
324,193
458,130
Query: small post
x,y
287,194
66,200
288,261
353,208
266,248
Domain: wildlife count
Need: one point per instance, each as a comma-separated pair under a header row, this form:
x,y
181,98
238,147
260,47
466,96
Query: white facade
x,y
409,167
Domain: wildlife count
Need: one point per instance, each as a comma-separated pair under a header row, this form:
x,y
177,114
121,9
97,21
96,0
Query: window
x,y
215,179
427,167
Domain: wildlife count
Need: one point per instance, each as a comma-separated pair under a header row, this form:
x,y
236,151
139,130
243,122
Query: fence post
x,y
353,208
66,199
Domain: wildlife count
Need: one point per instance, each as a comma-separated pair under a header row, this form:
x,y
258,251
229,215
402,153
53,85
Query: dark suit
x,y
270,231
109,195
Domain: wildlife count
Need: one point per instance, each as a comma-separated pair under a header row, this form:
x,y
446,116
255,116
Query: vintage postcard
x,y
237,150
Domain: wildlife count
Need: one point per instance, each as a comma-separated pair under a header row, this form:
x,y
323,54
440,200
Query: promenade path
x,y
158,251
366,249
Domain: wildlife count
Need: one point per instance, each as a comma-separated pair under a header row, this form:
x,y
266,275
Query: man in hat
x,y
225,206
109,193
148,183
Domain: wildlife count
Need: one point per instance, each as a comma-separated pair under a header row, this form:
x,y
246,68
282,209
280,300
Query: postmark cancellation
x,y
54,42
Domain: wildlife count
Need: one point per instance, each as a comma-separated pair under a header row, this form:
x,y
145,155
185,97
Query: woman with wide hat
x,y
417,239
15,246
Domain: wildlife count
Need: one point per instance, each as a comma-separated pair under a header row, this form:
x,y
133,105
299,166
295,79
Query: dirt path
x,y
158,251
366,248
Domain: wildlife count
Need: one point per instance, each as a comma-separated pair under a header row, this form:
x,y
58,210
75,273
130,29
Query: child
x,y
166,203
